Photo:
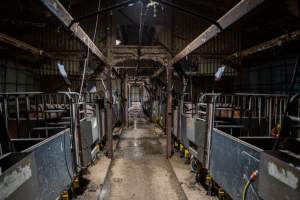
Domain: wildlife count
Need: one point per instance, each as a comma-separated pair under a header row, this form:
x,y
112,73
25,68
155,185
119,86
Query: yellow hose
x,y
252,178
245,190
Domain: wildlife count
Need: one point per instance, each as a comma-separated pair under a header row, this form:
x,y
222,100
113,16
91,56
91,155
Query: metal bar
x,y
210,118
233,15
109,116
270,116
64,16
169,113
18,116
5,105
279,41
27,115
22,45
126,100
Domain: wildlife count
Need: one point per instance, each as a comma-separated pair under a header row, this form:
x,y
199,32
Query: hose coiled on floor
x,y
194,165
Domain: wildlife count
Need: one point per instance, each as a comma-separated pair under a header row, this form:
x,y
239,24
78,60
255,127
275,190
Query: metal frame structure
x,y
63,144
221,135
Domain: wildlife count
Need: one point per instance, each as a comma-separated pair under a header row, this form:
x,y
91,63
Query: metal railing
x,y
243,107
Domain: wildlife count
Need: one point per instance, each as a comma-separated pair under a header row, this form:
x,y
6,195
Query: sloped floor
x,y
140,169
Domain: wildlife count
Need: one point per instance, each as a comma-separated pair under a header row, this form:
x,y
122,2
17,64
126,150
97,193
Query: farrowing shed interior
x,y
149,99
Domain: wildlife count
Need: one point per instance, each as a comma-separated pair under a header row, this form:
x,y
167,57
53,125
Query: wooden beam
x,y
64,16
233,15
22,45
276,42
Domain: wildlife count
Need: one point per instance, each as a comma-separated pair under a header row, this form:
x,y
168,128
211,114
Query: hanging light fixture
x,y
154,4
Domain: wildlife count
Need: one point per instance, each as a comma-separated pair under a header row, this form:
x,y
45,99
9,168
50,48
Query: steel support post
x,y
169,110
109,102
126,101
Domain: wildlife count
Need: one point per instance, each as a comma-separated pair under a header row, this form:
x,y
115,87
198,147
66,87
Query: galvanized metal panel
x,y
54,161
201,140
175,122
279,176
19,180
183,131
86,141
190,129
231,164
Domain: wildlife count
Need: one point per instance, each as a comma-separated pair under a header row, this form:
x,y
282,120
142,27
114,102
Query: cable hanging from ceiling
x,y
86,60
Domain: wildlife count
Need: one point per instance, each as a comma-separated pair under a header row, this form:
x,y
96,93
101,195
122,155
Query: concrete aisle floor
x,y
139,169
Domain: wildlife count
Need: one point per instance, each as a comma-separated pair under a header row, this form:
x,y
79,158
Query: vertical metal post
x,y
27,116
126,100
270,116
75,132
6,112
280,110
18,116
129,96
210,127
45,111
98,117
169,110
109,115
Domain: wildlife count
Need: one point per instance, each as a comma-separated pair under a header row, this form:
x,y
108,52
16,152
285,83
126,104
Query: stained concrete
x,y
193,190
93,181
140,169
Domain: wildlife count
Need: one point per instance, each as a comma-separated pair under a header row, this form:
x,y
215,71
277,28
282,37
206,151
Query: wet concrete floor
x,y
140,169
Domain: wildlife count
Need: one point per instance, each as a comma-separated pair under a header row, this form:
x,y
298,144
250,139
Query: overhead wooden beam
x,y
22,45
233,15
64,16
276,42
158,72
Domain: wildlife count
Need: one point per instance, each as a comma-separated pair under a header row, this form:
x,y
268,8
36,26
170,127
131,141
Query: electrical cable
x,y
140,36
194,165
249,182
66,160
88,52
285,116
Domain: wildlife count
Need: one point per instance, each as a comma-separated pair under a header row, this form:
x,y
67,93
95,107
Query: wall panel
x,y
269,77
18,77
